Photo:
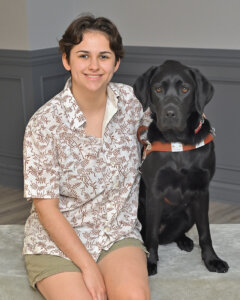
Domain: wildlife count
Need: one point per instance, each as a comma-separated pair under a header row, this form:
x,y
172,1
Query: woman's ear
x,y
65,62
117,65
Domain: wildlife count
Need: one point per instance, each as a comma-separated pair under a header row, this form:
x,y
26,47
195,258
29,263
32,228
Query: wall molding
x,y
42,76
225,192
29,58
208,57
229,167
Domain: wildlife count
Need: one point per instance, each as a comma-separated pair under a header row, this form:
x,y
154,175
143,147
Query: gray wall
x,y
30,78
27,80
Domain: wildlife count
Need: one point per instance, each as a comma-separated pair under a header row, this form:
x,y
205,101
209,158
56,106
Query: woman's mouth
x,y
93,76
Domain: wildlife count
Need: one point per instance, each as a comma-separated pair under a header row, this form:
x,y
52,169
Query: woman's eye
x,y
159,90
185,89
104,57
83,56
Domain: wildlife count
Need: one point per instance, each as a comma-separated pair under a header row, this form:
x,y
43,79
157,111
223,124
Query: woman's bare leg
x,y
125,274
64,286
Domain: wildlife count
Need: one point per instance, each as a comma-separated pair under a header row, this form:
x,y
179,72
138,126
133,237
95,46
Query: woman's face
x,y
92,63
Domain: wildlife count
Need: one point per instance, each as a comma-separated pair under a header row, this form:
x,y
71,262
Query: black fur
x,y
174,190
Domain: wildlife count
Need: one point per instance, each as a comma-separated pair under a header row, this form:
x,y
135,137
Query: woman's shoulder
x,y
125,93
128,104
45,115
121,88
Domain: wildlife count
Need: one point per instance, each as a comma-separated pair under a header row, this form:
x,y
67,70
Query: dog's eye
x,y
185,89
159,90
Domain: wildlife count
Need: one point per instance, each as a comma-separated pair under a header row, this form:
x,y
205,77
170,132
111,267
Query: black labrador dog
x,y
174,190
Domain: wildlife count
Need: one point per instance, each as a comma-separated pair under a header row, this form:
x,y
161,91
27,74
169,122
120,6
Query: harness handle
x,y
140,130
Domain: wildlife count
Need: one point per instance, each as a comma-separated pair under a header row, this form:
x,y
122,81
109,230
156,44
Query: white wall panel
x,y
13,25
214,24
161,23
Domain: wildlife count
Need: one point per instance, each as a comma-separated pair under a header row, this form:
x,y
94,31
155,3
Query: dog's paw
x,y
152,268
217,265
185,243
152,261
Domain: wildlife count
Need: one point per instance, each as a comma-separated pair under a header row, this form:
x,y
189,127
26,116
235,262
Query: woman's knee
x,y
132,293
139,294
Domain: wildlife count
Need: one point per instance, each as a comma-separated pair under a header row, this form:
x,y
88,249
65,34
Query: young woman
x,y
81,159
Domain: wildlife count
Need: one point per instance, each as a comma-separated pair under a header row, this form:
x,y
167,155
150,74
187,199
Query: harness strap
x,y
172,147
168,147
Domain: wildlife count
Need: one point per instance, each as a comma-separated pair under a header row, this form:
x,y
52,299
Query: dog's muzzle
x,y
170,118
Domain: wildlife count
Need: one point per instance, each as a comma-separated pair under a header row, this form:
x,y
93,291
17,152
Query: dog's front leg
x,y
210,258
153,212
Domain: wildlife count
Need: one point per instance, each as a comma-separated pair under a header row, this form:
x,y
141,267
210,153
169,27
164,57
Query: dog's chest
x,y
175,176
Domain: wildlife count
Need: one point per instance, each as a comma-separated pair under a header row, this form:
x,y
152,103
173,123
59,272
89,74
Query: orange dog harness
x,y
171,147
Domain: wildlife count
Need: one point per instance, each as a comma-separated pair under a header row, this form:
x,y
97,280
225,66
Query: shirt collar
x,y
111,105
113,93
74,113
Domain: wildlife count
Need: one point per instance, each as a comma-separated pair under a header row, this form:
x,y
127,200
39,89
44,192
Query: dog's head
x,y
173,92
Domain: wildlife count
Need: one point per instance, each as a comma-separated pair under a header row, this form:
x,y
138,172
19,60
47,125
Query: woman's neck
x,y
90,101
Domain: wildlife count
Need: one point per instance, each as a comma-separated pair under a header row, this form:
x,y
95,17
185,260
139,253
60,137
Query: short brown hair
x,y
74,34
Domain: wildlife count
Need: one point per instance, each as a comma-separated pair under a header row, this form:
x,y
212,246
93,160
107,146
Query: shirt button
x,y
107,229
109,205
116,184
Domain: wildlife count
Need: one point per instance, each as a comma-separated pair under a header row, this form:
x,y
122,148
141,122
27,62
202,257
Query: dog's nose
x,y
170,113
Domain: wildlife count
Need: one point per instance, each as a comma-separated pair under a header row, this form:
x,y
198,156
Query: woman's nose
x,y
93,64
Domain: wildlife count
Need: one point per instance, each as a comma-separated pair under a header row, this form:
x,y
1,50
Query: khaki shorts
x,y
40,266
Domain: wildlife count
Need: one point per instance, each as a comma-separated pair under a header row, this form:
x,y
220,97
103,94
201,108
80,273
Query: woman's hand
x,y
94,282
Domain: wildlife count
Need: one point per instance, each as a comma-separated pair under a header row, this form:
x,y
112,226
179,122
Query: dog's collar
x,y
201,122
170,147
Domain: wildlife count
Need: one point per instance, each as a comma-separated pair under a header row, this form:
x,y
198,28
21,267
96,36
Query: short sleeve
x,y
40,163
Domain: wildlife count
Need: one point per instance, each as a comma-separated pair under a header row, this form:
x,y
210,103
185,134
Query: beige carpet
x,y
181,275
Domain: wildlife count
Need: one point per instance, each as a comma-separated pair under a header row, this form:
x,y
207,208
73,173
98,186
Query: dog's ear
x,y
204,90
141,87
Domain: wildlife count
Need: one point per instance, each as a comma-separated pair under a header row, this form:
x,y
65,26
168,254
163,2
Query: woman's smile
x,y
93,76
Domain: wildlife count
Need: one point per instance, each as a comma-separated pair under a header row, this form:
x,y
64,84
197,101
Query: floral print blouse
x,y
95,179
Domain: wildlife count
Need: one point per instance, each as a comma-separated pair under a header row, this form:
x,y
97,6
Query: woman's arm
x,y
64,236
